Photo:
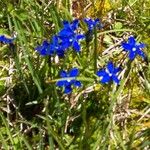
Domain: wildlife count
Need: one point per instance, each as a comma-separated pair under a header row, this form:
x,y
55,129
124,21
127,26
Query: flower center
x,y
110,74
70,40
133,49
68,80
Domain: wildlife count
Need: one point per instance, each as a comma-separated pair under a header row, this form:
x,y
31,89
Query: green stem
x,y
95,50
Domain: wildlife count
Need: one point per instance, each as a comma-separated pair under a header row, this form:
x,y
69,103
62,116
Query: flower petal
x,y
76,46
105,79
131,40
115,79
66,24
5,39
116,70
77,83
126,46
141,53
101,73
132,55
61,83
60,53
80,36
63,74
65,33
74,72
141,45
68,89
74,24
110,67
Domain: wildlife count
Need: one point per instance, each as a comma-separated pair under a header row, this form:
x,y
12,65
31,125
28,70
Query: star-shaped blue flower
x,y
6,40
109,73
133,48
69,37
91,23
43,49
51,48
71,81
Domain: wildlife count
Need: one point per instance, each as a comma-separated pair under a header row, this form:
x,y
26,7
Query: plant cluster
x,y
69,80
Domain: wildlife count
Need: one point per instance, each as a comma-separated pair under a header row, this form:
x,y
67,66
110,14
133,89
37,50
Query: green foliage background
x,y
34,114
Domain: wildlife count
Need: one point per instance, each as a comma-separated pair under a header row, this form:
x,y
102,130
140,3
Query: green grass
x,y
35,114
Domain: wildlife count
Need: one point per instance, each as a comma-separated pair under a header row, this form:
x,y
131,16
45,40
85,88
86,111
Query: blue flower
x,y
133,48
93,23
109,73
69,80
66,38
43,49
51,48
69,37
6,40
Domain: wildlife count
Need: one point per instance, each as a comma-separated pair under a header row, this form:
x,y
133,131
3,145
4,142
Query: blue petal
x,y
77,83
65,33
76,46
105,79
66,24
65,43
126,46
97,21
74,24
80,36
63,74
132,55
50,49
141,45
43,49
45,44
110,67
2,38
101,73
115,79
68,89
74,72
116,70
132,40
6,40
61,83
55,40
141,53
89,22
60,53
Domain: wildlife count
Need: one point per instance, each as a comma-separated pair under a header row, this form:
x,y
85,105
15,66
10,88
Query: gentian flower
x,y
69,37
71,81
92,23
43,49
109,73
51,48
6,40
133,48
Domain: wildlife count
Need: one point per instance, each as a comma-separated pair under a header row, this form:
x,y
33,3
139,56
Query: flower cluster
x,y
68,37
